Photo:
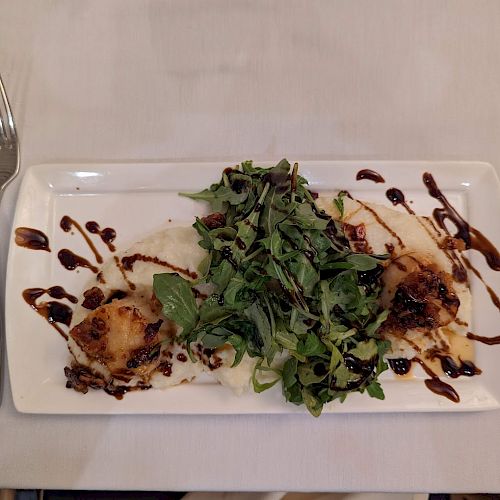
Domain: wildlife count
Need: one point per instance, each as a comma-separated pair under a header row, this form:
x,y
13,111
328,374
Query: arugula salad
x,y
287,289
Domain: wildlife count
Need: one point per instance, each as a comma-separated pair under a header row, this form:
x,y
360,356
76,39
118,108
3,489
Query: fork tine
x,y
3,134
7,126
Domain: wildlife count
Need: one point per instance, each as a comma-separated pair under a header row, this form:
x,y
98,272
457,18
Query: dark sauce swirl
x,y
108,234
71,261
397,197
472,237
484,340
33,239
129,261
370,175
52,311
400,366
67,223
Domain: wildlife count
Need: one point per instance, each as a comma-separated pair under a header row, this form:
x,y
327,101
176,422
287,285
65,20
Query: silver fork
x,y
9,144
9,168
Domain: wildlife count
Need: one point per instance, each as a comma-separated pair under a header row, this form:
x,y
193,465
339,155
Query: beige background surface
x,y
342,79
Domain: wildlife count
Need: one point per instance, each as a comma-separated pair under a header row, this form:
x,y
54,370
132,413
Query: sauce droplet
x,y
441,388
33,239
371,175
397,197
400,366
71,261
455,370
52,311
107,234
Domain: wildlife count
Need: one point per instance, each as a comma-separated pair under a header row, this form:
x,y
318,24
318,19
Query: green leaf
x,y
305,273
371,329
206,240
335,359
289,372
278,175
238,294
256,314
240,346
312,346
204,266
339,203
362,262
212,312
258,386
222,274
218,197
306,218
276,210
375,390
308,373
365,350
177,299
343,376
313,404
285,338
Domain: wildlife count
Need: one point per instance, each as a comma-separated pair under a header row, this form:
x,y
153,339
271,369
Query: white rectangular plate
x,y
137,199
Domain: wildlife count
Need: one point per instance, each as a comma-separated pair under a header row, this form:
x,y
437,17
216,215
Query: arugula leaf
x,y
217,197
312,346
339,203
365,350
177,299
211,310
285,338
256,314
362,262
371,329
305,217
313,404
263,386
312,373
375,390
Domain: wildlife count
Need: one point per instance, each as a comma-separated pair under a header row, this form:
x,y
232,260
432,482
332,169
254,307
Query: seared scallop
x,y
120,337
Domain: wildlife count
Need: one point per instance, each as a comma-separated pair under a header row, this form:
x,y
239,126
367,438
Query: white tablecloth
x,y
346,79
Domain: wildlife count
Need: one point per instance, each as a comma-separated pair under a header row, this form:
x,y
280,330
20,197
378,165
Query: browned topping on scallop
x,y
144,355
93,298
151,330
424,299
81,378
